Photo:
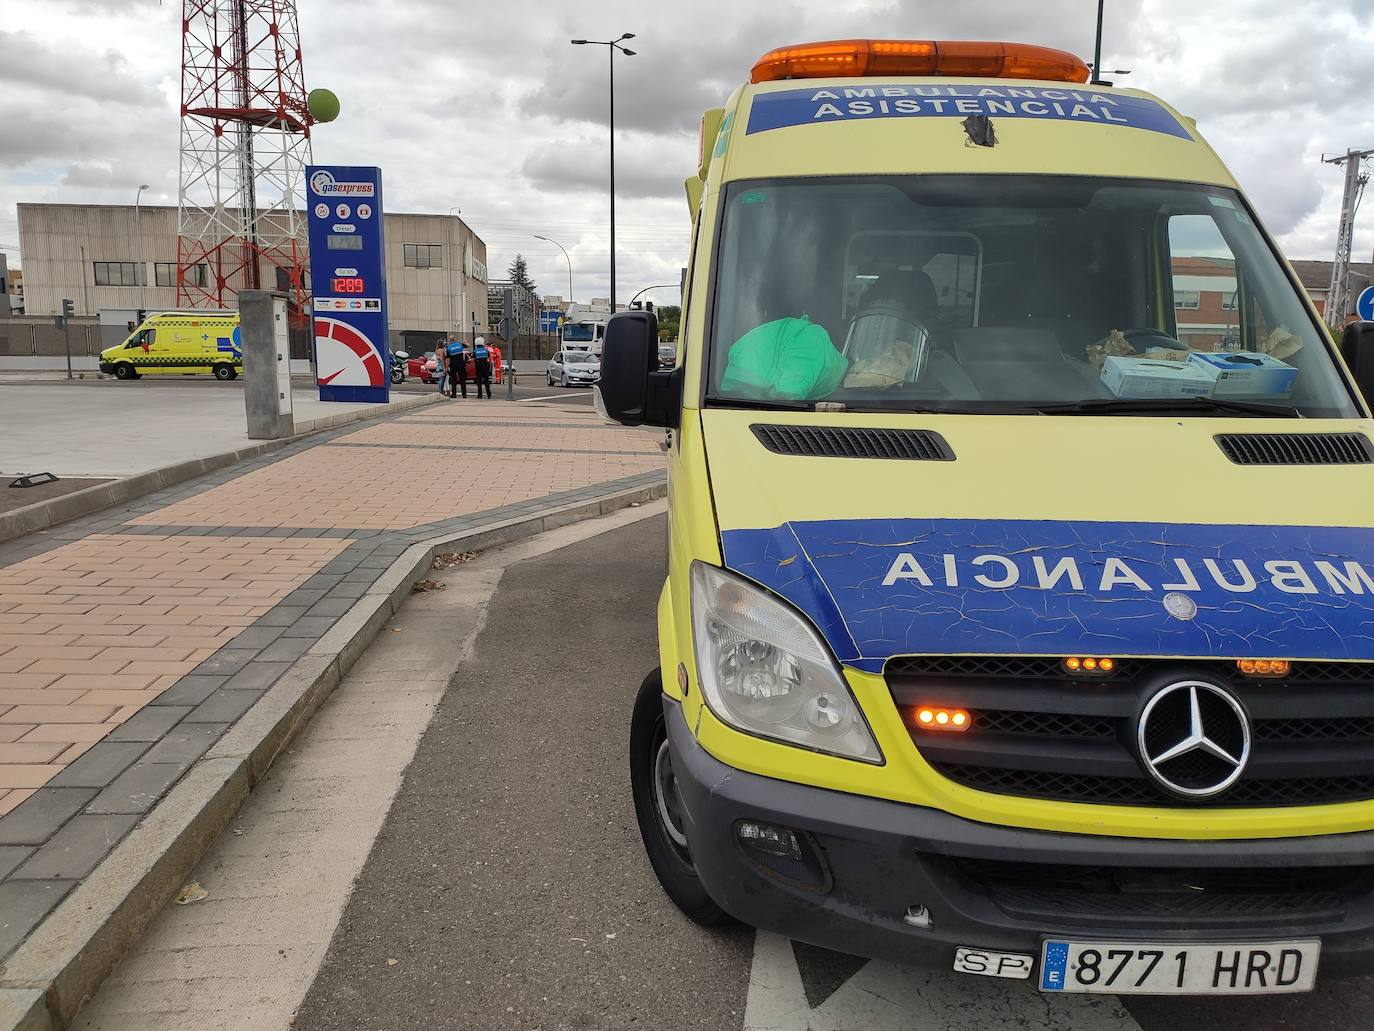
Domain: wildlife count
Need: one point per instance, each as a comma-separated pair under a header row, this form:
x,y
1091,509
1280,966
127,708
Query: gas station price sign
x,y
348,276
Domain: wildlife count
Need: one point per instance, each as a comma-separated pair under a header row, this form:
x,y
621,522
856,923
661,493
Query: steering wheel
x,y
1141,339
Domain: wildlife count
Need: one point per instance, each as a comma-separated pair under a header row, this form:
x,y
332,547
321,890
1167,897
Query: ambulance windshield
x,y
1008,293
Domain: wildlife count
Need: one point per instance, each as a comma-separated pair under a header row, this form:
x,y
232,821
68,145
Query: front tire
x,y
397,376
124,371
658,807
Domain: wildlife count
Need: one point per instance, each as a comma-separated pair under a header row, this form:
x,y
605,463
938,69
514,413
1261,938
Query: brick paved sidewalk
x,y
131,640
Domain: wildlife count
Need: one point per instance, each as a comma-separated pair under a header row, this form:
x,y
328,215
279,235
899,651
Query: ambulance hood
x,y
1044,535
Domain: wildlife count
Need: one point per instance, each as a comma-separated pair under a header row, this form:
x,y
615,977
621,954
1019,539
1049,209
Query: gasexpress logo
x,y
323,184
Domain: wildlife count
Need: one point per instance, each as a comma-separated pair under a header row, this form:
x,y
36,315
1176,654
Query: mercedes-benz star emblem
x,y
1194,739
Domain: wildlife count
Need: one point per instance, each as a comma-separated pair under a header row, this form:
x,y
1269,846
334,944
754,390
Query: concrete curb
x,y
50,976
46,514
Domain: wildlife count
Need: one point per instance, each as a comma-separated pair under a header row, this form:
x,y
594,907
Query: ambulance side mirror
x,y
632,390
1357,349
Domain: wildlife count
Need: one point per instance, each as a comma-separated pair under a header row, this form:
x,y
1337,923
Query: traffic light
x,y
68,308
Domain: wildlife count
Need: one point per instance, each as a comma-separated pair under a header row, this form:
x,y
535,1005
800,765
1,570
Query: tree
x,y
520,273
668,316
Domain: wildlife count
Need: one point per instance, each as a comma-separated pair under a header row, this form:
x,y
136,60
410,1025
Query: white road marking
x,y
546,397
887,997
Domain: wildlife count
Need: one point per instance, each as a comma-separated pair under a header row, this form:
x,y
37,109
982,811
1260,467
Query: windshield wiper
x,y
743,402
1164,405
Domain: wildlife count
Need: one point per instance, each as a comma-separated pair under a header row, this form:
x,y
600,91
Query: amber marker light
x,y
1090,664
930,717
1264,667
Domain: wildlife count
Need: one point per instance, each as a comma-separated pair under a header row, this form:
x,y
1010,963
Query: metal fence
x,y
35,335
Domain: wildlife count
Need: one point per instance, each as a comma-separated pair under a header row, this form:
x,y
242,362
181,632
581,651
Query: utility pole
x,y
1338,293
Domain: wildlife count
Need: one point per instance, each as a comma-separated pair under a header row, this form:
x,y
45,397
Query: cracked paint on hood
x,y
882,587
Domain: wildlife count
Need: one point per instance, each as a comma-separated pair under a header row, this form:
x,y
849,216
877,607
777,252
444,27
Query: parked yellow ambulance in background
x,y
181,343
1014,622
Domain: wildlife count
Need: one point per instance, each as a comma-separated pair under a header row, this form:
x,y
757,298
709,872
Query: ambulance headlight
x,y
764,669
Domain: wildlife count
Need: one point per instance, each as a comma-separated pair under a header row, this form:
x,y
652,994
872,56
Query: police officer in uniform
x,y
481,358
457,368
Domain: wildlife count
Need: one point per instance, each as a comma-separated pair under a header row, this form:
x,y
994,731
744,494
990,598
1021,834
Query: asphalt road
x,y
506,887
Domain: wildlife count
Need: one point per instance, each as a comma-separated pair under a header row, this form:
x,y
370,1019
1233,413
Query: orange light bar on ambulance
x,y
931,717
856,58
1090,664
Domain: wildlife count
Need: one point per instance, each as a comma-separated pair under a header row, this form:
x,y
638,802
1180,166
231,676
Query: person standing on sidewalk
x,y
481,358
441,362
457,368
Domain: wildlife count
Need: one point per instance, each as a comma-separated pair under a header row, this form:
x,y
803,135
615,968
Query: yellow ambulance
x,y
1019,613
179,343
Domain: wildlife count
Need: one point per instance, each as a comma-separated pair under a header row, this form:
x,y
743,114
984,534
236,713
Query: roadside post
x,y
65,320
509,330
266,344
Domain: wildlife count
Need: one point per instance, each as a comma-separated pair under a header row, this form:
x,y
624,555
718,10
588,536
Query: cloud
x,y
76,71
488,108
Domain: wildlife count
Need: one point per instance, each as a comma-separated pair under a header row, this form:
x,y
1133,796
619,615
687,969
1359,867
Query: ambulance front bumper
x,y
910,884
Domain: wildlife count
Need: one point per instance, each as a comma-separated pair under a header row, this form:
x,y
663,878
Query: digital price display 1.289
x,y
346,285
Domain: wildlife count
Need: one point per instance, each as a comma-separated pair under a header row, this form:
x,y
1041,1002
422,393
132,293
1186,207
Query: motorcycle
x,y
398,366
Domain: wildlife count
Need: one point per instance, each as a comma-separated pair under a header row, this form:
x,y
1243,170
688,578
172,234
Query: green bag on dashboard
x,y
791,359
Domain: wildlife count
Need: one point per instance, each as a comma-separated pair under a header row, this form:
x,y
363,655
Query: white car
x,y
567,368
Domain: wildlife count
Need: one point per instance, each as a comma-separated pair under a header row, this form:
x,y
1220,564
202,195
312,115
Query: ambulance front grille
x,y
1036,732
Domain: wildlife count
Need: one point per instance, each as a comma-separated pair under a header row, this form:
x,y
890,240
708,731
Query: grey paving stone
x,y
22,905
227,660
344,563
330,607
304,596
361,576
75,850
136,790
99,765
288,649
185,744
223,707
150,724
281,615
256,676
257,636
309,626
191,689
322,581
309,532
10,857
352,591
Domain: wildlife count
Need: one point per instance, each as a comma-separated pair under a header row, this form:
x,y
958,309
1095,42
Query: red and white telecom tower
x,y
245,142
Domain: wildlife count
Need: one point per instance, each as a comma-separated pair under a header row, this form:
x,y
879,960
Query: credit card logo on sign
x,y
1054,966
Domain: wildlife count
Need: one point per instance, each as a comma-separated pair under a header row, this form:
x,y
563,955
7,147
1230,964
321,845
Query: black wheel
x,y
397,376
550,380
124,371
658,807
224,372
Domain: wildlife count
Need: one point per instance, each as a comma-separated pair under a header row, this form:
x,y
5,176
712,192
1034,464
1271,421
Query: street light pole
x,y
449,291
1097,47
661,286
612,45
565,256
138,232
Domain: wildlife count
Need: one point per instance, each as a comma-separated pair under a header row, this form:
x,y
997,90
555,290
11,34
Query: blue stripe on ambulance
x,y
882,587
813,105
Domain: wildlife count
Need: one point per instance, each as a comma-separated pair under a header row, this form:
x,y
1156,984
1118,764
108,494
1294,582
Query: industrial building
x,y
122,258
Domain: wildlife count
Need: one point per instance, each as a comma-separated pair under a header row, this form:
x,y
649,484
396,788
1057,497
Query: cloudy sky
x,y
485,106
